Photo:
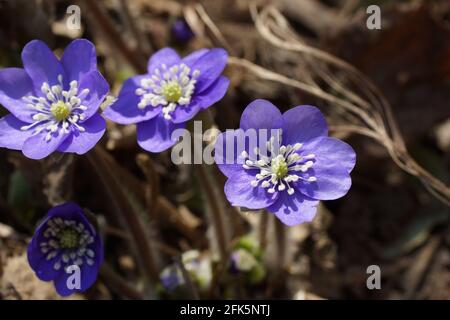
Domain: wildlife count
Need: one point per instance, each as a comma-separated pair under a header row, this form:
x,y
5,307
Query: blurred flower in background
x,y
181,30
66,238
198,266
247,259
53,103
173,92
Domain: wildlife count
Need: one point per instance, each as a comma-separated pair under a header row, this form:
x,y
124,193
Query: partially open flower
x,y
66,246
181,30
199,269
53,103
172,92
247,259
242,261
291,165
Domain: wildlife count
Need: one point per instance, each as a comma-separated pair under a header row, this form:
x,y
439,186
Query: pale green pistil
x,y
172,92
69,238
279,167
60,110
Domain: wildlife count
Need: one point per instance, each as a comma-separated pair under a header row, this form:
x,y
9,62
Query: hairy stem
x,y
280,242
118,284
127,212
216,211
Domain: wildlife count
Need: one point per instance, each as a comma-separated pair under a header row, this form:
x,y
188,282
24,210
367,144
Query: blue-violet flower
x,y
53,103
65,239
181,30
292,165
172,92
199,269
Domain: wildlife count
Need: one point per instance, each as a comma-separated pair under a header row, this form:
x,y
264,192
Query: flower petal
x,y
261,114
166,56
303,123
82,142
41,64
36,147
210,66
213,93
125,109
68,210
42,267
333,182
227,153
240,192
294,209
230,145
78,59
184,113
11,136
98,89
333,161
330,151
15,84
89,273
155,135
88,276
61,285
194,56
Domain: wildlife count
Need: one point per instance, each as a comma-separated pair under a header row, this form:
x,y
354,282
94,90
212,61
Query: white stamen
x,y
78,254
284,164
179,82
44,116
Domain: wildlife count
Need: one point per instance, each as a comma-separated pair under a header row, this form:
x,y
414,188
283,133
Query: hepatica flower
x,y
247,259
288,172
66,238
181,30
172,92
198,267
53,103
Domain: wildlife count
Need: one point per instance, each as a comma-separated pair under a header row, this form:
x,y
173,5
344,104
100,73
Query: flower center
x,y
60,110
280,166
69,238
172,91
168,88
67,242
57,109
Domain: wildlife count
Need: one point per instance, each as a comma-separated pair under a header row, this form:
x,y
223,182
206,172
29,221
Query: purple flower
x,y
292,165
65,239
181,30
198,266
53,103
171,278
172,92
242,261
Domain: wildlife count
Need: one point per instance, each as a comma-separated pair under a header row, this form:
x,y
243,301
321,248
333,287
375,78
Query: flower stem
x,y
216,212
263,226
152,187
118,284
107,27
280,242
127,211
